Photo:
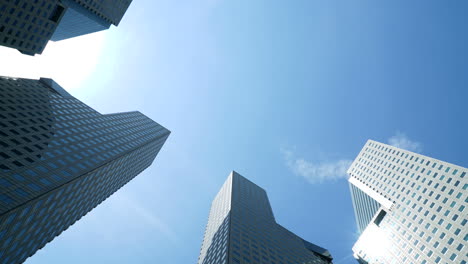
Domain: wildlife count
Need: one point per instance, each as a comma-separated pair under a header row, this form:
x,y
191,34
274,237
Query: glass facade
x,y
364,207
425,221
59,159
78,21
242,229
110,10
28,25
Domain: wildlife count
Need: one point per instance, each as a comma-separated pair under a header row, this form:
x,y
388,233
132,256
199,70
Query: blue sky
x,y
284,92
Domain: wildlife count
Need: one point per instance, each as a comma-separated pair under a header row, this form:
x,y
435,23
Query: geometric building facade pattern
x,y
242,229
27,25
364,207
59,159
422,215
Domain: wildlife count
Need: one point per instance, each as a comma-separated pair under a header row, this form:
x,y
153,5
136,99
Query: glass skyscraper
x,y
59,159
28,25
242,229
409,208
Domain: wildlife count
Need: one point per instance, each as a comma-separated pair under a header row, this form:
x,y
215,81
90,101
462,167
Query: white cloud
x,y
317,172
400,140
69,62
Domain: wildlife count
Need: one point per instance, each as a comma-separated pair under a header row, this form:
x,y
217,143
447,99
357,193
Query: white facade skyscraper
x,y
409,208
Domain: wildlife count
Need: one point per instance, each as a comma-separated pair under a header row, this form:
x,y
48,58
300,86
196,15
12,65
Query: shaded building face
x,y
28,25
242,229
59,159
409,208
110,10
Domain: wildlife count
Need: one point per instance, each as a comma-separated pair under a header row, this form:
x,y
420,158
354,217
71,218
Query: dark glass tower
x,y
242,229
28,25
59,159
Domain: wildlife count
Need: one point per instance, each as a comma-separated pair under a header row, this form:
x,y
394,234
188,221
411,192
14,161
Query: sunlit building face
x,y
242,229
409,208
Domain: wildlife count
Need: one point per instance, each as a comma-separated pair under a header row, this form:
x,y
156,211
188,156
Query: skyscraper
x,y
59,159
409,208
28,25
242,229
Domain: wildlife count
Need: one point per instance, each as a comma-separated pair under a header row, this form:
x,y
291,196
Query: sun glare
x,y
376,242
68,62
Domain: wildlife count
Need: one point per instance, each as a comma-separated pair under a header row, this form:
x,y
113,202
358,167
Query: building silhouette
x,y
409,208
242,229
28,25
59,159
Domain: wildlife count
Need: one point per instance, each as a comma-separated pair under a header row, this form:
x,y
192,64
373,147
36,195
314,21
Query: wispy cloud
x,y
400,140
149,218
317,172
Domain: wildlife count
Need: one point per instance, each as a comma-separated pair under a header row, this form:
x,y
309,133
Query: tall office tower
x,y
242,229
409,208
27,25
59,159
